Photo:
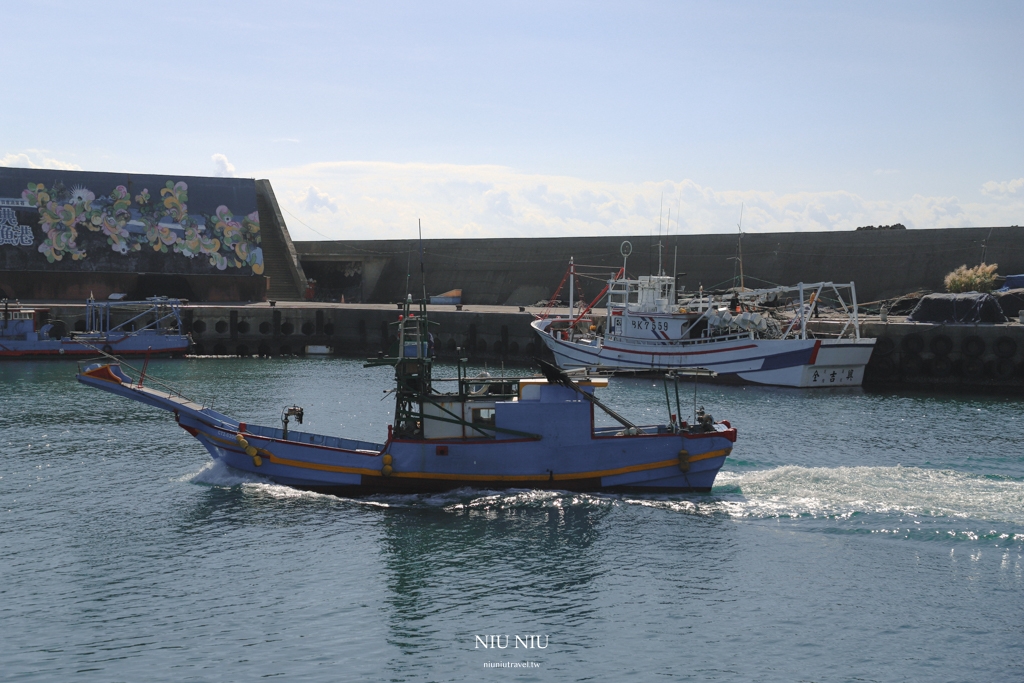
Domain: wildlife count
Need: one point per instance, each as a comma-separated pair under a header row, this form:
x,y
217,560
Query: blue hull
x,y
135,344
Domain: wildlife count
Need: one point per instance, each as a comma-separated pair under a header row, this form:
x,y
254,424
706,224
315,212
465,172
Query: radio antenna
x,y
739,247
423,268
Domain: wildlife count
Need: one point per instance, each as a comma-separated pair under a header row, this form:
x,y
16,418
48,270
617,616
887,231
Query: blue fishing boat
x,y
123,328
487,432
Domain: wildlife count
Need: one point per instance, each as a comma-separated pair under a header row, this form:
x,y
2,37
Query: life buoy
x,y
480,389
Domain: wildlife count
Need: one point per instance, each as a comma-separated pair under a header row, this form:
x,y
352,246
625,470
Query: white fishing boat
x,y
746,336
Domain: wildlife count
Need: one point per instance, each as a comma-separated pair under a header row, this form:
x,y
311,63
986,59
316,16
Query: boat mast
x,y
740,247
675,276
572,301
423,268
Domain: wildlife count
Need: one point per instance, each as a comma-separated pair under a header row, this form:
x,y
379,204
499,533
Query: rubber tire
x,y
884,346
973,346
1004,368
912,365
913,343
941,345
1005,347
887,366
941,367
973,368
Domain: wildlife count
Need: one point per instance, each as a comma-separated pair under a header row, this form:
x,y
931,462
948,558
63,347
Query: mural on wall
x,y
104,222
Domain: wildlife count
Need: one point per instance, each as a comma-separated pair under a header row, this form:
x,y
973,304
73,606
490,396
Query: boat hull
x,y
135,344
573,459
742,359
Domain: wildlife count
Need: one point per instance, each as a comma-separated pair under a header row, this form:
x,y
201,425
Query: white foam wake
x,y
216,473
841,492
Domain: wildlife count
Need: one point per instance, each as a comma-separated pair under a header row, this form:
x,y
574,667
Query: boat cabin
x,y
492,408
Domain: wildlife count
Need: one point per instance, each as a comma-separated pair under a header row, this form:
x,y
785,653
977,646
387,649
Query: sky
x,y
547,118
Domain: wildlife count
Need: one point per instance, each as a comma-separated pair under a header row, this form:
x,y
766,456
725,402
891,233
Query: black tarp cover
x,y
968,307
1012,302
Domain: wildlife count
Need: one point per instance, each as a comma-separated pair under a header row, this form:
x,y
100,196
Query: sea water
x,y
851,536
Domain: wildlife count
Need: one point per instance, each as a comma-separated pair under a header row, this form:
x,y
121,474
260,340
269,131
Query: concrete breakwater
x,y
518,271
907,354
487,333
936,355
493,333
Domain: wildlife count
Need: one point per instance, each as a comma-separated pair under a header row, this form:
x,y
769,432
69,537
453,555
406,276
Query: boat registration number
x,y
832,375
656,325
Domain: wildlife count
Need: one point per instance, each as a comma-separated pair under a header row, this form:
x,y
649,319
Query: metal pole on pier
x,y
572,300
423,270
803,318
856,320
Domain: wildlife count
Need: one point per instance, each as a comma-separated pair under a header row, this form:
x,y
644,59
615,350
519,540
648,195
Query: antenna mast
x,y
423,270
740,247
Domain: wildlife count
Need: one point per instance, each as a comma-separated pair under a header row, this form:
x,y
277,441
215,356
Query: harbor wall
x,y
940,355
354,330
521,271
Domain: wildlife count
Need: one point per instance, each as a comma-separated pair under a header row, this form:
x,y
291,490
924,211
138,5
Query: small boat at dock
x,y
125,328
485,432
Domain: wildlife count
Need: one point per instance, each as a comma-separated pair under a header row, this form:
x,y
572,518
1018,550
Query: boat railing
x,y
315,439
154,312
695,341
143,379
790,306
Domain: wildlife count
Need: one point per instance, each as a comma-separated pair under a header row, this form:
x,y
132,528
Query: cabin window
x,y
483,416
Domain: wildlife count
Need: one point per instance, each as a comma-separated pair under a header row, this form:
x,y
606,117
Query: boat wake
x,y
468,499
845,492
911,502
220,475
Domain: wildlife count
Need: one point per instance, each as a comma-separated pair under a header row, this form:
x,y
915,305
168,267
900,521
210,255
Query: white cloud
x,y
222,168
996,189
383,200
315,200
36,158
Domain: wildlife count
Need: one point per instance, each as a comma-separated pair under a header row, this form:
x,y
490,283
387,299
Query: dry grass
x,y
977,279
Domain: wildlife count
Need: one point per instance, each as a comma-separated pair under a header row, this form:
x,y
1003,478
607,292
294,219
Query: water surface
x,y
852,536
